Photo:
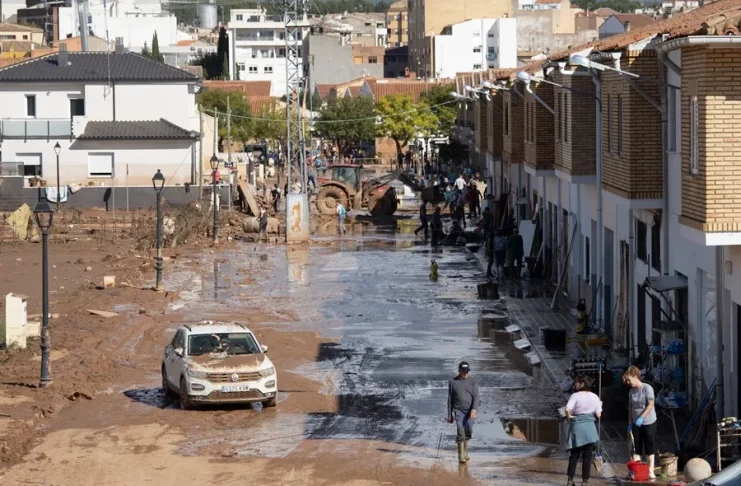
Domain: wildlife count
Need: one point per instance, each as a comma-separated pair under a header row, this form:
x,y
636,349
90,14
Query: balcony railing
x,y
36,128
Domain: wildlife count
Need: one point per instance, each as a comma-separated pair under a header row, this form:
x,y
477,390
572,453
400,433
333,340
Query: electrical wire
x,y
350,120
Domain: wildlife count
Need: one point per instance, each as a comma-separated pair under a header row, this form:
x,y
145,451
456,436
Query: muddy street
x,y
364,344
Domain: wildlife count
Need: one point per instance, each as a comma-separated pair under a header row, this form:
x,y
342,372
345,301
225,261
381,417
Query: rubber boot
x,y
651,474
570,482
636,458
465,451
461,454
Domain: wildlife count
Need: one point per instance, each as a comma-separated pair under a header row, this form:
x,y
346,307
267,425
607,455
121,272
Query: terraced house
x,y
642,218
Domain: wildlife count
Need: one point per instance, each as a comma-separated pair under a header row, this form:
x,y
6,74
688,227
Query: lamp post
x,y
44,216
58,150
158,182
214,174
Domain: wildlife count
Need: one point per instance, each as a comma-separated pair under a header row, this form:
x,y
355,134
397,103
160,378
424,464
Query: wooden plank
x,y
247,191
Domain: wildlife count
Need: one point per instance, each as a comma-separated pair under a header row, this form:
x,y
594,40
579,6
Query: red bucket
x,y
638,471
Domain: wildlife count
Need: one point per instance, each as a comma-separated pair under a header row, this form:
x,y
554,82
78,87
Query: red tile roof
x,y
260,104
413,88
249,88
636,20
324,90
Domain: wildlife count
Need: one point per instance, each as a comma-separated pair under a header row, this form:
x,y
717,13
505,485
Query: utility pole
x,y
82,12
200,151
229,148
216,132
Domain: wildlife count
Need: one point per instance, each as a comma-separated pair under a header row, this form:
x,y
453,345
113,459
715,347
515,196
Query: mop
x,y
599,463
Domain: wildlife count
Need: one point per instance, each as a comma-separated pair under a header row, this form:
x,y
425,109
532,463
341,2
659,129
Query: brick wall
x,y
482,126
633,171
513,140
539,150
575,129
494,124
711,199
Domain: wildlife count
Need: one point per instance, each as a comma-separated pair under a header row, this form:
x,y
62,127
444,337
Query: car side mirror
x,y
179,352
264,348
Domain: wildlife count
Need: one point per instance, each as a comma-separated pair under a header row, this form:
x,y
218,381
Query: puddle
x,y
541,431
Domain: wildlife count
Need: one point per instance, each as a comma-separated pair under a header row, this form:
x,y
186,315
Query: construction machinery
x,y
346,184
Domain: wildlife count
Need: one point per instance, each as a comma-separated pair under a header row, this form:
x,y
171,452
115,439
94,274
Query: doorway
x,y
738,360
641,319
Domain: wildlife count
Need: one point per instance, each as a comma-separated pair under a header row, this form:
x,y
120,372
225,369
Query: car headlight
x,y
267,372
201,375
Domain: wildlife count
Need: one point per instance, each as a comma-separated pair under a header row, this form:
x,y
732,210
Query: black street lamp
x,y
158,181
58,150
44,216
214,174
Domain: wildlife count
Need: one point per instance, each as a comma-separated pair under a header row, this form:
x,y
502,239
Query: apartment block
x,y
494,124
513,128
575,121
538,127
397,24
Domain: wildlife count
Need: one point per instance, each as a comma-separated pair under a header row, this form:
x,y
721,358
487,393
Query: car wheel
x,y
270,403
185,403
169,395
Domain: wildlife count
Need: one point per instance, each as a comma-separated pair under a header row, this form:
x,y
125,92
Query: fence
x,y
11,169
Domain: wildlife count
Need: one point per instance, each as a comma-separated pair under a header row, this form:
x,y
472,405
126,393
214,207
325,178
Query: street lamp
x,y
44,216
57,150
158,182
214,166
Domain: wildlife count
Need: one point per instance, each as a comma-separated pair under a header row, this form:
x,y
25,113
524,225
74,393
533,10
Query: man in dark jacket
x,y
423,220
516,252
437,226
263,226
463,398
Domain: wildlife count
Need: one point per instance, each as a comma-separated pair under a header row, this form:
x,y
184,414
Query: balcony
x,y
35,128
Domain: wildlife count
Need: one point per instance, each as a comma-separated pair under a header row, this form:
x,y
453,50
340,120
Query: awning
x,y
665,283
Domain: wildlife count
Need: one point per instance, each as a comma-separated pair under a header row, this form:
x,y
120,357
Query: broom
x,y
599,463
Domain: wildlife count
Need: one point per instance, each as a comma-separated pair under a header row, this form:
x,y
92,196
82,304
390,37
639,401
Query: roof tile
x,y
134,130
249,88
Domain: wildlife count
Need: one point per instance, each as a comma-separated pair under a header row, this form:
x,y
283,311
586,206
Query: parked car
x,y
218,362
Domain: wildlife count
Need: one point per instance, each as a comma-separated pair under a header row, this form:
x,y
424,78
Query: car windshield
x,y
229,343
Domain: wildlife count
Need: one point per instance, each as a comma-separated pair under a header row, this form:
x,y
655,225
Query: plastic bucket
x,y
554,338
669,464
638,471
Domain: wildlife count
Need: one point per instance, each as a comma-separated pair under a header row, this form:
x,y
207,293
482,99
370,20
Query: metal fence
x,y
36,128
8,169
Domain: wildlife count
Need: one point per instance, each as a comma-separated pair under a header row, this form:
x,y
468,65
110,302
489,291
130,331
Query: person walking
x,y
641,400
583,410
437,226
423,220
341,214
460,182
463,398
516,252
275,195
263,226
500,251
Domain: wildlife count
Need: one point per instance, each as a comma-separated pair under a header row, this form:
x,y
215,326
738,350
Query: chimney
x,y
63,55
627,25
119,45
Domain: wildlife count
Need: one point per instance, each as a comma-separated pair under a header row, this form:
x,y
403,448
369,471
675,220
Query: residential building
x,y
396,62
632,179
21,33
364,29
9,9
428,18
474,45
539,4
257,47
255,93
74,44
186,51
397,24
117,118
553,30
327,60
619,23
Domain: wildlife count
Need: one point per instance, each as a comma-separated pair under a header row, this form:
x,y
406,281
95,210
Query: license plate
x,y
234,388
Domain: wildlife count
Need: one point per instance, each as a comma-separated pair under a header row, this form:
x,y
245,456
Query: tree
x,y
347,121
225,69
210,64
402,119
271,124
155,55
222,50
146,52
441,104
211,99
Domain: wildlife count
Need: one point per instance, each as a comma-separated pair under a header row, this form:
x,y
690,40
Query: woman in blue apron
x,y
583,410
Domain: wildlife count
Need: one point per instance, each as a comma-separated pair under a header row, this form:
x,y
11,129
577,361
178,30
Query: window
x,y
694,122
491,36
373,60
586,255
672,95
566,109
561,121
282,35
253,69
477,50
506,119
357,60
31,164
282,52
477,34
620,124
25,37
609,125
240,17
268,69
100,164
31,105
77,107
476,67
641,238
241,66
656,246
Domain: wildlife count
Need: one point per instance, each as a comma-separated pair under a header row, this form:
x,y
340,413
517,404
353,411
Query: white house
x,y
619,23
257,47
475,45
117,118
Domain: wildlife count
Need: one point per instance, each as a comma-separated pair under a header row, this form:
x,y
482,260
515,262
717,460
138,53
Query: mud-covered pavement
x,y
364,344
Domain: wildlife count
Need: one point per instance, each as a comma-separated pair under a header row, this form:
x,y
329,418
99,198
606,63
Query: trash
x,y
101,313
73,397
668,464
18,221
88,269
109,281
522,343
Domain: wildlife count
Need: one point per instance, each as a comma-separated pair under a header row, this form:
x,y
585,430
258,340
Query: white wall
x,y
52,100
611,26
172,102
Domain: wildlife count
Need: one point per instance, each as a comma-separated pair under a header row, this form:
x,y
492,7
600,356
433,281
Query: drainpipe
x,y
598,156
580,264
664,165
632,320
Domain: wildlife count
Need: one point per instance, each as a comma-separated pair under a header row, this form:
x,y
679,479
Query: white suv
x,y
218,362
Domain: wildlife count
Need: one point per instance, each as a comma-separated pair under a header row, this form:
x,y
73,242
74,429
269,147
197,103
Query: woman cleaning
x,y
642,416
583,409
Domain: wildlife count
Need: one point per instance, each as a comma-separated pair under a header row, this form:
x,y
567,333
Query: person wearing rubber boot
x,y
641,399
463,398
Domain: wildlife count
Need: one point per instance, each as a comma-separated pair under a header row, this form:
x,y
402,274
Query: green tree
x,y
155,55
210,64
441,104
222,50
271,124
225,69
146,52
211,99
347,121
402,119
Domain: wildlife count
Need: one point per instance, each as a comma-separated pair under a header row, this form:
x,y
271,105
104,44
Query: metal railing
x,y
36,128
10,169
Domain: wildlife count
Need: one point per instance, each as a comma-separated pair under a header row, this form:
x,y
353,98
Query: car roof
x,y
211,327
